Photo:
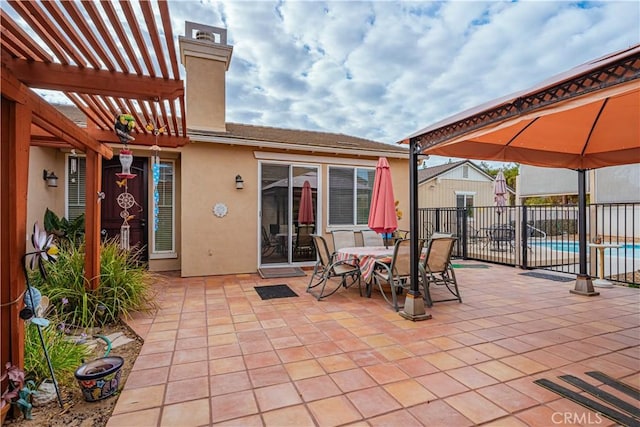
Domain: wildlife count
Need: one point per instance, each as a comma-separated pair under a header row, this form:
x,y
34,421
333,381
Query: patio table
x,y
367,256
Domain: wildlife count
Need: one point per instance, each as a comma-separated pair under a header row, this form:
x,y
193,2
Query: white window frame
x,y
153,253
353,226
67,180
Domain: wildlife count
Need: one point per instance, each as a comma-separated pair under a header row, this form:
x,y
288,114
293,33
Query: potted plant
x,y
18,391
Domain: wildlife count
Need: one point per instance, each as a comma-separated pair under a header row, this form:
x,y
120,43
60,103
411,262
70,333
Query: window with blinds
x,y
350,192
164,220
77,173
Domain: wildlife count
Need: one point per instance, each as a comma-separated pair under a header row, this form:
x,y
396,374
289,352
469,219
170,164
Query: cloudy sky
x,y
384,69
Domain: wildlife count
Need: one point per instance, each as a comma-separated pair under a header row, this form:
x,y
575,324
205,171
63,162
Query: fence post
x,y
437,225
462,219
525,232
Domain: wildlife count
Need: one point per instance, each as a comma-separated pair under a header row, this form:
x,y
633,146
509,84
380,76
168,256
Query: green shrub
x,y
65,355
125,286
72,231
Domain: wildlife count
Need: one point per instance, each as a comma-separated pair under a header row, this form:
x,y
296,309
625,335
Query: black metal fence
x,y
544,237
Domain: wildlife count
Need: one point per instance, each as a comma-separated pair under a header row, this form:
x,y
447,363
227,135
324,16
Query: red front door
x,y
135,202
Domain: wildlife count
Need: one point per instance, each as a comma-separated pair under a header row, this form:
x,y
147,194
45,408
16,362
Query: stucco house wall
x,y
212,245
42,197
230,245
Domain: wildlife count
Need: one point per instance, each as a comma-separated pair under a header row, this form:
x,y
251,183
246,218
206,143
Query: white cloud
x,y
385,69
382,70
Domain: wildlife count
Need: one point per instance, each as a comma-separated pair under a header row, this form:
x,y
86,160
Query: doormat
x,y
274,291
469,266
279,272
548,276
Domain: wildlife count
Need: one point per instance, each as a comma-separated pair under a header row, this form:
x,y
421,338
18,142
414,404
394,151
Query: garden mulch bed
x,y
77,412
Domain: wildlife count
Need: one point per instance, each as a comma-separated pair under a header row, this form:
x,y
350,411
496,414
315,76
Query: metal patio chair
x,y
343,239
269,244
332,273
397,273
304,243
371,238
436,269
502,234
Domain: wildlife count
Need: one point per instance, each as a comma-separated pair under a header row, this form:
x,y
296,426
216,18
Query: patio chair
x,y
343,239
499,234
371,238
474,235
269,244
304,242
397,273
331,273
436,269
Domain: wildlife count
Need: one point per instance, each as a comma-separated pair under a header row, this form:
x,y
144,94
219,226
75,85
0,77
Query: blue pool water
x,y
628,250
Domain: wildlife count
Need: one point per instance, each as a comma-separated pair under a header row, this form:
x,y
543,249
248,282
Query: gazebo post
x,y
414,303
584,285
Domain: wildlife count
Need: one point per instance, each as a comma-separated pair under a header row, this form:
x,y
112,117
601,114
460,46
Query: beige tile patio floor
x,y
216,354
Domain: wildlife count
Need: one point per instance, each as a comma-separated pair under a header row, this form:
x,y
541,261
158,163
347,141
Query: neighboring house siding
x,y
432,194
440,185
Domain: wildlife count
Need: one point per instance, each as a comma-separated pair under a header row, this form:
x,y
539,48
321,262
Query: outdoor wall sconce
x,y
50,177
239,183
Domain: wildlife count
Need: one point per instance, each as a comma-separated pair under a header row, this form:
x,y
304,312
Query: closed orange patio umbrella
x,y
382,212
305,211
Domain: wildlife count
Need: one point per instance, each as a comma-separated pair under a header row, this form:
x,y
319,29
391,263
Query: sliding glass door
x,y
288,213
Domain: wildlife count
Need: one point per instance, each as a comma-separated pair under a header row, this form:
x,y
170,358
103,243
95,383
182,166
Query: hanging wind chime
x,y
124,124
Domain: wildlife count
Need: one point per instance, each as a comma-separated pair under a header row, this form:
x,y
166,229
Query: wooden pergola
x,y
107,58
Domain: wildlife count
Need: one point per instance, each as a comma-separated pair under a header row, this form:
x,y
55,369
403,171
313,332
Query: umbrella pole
x,y
584,285
414,303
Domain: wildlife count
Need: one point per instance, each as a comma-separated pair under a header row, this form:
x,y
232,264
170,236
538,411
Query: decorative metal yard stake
x,y
45,249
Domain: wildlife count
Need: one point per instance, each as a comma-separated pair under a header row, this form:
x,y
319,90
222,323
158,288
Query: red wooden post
x,y
14,174
92,220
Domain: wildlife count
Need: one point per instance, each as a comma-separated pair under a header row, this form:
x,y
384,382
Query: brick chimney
x,y
205,54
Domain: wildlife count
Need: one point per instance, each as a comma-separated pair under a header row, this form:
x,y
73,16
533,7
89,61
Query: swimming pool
x,y
628,250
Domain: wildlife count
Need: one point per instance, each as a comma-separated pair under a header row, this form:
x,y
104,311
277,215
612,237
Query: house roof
x,y
305,140
243,134
433,171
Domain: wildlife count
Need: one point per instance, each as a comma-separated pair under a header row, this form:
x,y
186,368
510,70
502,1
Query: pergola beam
x,y
90,81
48,118
146,140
